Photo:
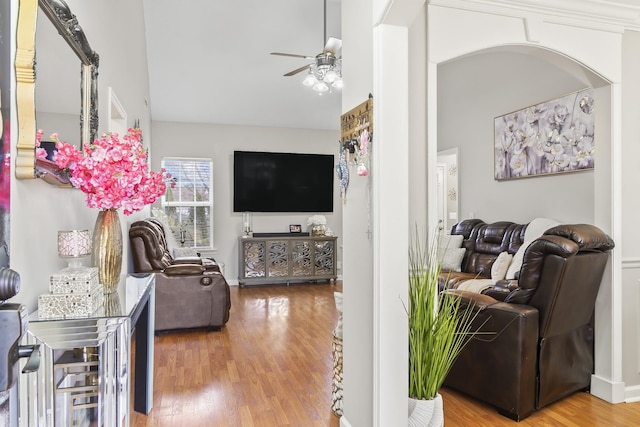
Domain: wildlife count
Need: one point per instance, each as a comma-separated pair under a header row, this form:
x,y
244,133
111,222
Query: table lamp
x,y
74,245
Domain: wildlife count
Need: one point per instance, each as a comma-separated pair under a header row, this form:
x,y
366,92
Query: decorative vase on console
x,y
107,249
318,224
113,173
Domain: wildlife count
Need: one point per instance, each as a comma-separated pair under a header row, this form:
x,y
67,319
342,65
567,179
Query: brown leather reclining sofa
x,y
190,293
535,344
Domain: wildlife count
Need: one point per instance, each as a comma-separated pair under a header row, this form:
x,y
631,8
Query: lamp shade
x,y
74,243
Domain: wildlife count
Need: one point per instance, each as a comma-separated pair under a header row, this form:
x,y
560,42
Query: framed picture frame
x,y
295,228
552,137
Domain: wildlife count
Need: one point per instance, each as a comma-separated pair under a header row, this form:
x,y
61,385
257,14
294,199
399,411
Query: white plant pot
x,y
426,413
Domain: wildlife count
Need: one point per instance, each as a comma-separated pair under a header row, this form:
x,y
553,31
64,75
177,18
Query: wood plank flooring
x,y
272,366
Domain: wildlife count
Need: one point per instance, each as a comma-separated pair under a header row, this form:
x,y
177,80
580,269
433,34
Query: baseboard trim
x,y
612,392
344,422
632,394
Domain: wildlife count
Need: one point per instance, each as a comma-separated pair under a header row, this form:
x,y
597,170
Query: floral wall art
x,y
552,137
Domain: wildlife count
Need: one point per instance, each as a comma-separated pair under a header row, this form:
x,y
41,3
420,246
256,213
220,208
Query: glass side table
x,y
84,376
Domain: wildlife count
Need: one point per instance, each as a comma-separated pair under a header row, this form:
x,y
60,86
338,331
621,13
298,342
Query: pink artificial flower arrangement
x,y
113,172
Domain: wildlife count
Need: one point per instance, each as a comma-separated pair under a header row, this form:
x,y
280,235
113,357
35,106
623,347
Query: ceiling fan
x,y
325,71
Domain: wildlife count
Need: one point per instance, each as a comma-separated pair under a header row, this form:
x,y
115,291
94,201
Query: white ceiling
x,y
210,62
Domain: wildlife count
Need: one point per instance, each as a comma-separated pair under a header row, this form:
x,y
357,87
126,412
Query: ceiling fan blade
x,y
293,55
333,45
297,70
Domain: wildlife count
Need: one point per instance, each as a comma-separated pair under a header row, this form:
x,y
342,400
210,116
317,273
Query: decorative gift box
x,y
71,280
70,305
73,292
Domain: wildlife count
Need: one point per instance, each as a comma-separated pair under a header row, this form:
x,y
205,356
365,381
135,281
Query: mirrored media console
x,y
286,259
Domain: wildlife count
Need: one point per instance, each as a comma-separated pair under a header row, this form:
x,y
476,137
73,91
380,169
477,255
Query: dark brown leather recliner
x,y
189,293
536,346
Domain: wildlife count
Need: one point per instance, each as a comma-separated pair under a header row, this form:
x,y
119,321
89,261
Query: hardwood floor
x,y
272,366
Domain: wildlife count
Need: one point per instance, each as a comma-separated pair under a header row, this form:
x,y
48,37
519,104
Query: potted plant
x,y
440,325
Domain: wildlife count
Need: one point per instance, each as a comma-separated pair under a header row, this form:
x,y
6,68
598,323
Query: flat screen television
x,y
282,182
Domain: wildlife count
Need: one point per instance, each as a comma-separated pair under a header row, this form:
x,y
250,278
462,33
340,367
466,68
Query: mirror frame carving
x,y
67,25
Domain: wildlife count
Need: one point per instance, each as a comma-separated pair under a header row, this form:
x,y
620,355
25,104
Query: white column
x,y
390,224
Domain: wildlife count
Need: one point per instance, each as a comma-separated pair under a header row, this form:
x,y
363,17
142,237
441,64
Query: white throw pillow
x,y
535,229
516,262
184,253
450,241
451,259
501,265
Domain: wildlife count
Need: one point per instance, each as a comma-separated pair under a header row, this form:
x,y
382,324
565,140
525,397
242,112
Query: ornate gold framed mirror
x,y
68,27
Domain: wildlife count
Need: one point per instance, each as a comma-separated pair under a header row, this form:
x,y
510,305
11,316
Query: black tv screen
x,y
282,182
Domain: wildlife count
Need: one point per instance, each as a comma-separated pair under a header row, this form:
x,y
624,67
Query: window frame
x,y
210,203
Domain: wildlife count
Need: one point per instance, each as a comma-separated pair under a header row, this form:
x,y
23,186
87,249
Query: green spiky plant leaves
x,y
440,325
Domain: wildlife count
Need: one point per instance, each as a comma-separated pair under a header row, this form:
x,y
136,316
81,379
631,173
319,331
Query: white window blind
x,y
189,204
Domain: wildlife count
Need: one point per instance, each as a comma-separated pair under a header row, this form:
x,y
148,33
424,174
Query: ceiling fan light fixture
x,y
325,72
321,87
331,76
310,80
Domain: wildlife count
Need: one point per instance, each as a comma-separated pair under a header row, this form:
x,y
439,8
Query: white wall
x,y
468,102
630,209
218,142
358,246
39,210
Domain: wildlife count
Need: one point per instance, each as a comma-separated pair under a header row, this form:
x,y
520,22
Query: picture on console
x,y
551,137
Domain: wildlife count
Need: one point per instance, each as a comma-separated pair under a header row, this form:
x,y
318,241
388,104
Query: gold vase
x,y
111,305
107,249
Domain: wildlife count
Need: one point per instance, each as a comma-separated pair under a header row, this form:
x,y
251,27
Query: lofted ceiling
x,y
209,61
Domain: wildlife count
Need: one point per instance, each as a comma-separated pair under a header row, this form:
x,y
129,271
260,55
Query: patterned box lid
x,y
70,280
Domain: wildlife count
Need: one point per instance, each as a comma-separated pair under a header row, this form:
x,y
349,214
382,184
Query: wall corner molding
x,y
609,15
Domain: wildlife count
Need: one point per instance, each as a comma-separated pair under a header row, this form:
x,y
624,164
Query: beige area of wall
x,y
218,142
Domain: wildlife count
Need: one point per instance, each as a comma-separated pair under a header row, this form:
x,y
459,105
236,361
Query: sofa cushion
x,y
450,241
451,259
516,262
184,252
501,265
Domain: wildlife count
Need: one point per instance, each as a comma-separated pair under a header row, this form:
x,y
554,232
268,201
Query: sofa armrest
x,y
187,260
479,301
184,270
208,263
501,289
